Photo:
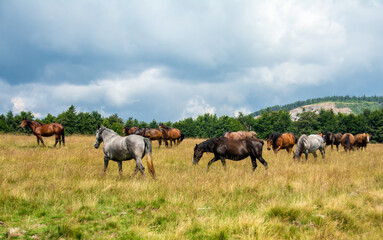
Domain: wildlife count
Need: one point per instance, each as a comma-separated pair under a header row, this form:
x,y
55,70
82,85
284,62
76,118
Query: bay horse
x,y
361,140
348,141
173,135
153,134
45,130
333,139
240,135
309,144
129,130
121,149
280,141
224,148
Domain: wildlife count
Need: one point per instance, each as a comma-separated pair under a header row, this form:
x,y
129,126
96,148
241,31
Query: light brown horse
x,y
348,141
45,130
361,140
152,134
129,130
241,135
281,141
173,135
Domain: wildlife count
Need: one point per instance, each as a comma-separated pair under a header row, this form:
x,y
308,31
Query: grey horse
x,y
120,149
309,144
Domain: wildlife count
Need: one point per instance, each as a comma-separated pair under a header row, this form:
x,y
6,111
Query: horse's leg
x,y
41,139
253,162
139,165
106,162
223,161
38,140
159,143
306,154
210,162
260,158
315,155
323,152
57,137
120,167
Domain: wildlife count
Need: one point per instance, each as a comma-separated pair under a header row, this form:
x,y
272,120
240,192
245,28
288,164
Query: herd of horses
x,y
232,145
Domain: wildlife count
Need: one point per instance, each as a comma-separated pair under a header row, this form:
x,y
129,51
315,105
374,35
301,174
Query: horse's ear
x,y
98,126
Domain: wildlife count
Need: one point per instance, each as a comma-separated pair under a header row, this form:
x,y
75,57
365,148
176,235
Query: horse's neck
x,y
33,126
106,135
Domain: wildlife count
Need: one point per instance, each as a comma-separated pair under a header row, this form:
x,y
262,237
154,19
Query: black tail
x,y
63,136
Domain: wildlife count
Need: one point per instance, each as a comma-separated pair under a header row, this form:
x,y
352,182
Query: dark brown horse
x,y
152,134
361,140
333,139
240,135
173,135
224,148
348,141
129,130
45,130
281,141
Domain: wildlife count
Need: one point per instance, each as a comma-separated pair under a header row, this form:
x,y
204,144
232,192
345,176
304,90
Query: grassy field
x,y
52,193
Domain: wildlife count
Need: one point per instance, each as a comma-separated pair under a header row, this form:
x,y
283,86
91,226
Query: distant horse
x,y
361,140
281,141
171,134
240,135
309,144
153,134
224,148
45,130
129,130
120,149
333,139
348,141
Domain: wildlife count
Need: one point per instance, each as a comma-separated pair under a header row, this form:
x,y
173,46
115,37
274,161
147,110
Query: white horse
x,y
309,144
120,149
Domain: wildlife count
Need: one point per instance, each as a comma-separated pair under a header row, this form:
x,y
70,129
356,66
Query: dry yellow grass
x,y
63,193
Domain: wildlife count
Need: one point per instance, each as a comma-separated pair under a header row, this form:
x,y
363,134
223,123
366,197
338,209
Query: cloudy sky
x,y
169,59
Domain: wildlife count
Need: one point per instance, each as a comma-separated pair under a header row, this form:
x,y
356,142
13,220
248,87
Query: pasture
x,y
63,193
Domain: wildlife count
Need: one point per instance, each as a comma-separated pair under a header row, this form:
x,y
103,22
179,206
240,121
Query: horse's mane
x,y
274,136
109,130
300,143
30,121
208,145
166,127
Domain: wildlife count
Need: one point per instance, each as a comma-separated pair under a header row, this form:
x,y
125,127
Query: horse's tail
x,y
149,160
63,136
348,142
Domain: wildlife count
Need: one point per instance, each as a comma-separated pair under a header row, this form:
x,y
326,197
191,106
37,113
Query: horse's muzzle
x,y
268,148
96,146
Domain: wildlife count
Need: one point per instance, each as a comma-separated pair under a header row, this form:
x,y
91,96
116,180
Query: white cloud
x,y
197,106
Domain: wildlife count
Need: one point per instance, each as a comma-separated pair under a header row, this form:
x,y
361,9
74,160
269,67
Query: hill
x,y
344,104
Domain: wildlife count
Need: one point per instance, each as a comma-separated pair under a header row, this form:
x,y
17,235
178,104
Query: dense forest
x,y
208,125
342,101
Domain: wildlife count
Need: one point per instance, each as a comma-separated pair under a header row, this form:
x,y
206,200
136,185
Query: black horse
x,y
236,150
333,139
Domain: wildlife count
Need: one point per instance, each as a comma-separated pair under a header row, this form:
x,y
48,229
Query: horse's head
x,y
125,130
99,137
368,137
296,156
269,143
197,154
24,123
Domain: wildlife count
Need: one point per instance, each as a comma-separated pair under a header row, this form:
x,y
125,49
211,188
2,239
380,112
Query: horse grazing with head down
x,y
45,130
240,135
224,148
120,149
173,135
152,134
280,141
309,144
332,139
361,140
348,141
129,130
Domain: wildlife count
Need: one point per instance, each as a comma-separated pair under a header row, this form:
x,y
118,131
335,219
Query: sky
x,y
168,60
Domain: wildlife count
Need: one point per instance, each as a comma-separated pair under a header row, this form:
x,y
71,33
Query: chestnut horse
x,y
281,141
151,133
129,130
361,140
240,135
172,134
45,130
348,141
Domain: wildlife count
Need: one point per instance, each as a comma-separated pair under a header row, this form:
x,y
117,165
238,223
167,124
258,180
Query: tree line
x,y
210,125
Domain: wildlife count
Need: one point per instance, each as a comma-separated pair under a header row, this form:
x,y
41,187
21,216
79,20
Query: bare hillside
x,y
316,108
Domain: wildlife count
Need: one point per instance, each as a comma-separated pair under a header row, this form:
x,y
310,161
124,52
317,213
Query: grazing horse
x,y
129,130
171,134
224,148
240,135
45,130
120,149
281,141
348,141
333,139
361,140
152,133
309,144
